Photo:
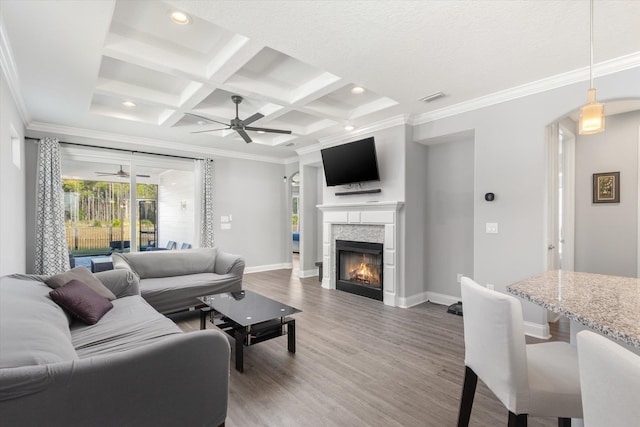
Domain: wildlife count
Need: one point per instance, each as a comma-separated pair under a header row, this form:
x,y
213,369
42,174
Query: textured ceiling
x,y
295,62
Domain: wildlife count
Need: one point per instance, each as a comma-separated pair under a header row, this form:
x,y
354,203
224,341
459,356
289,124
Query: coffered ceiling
x,y
73,64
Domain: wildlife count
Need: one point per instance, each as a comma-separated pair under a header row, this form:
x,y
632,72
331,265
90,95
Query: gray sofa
x,y
133,368
171,281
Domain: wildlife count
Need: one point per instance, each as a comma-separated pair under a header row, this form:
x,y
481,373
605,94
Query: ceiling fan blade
x,y
253,118
205,118
244,135
105,173
288,132
143,176
210,130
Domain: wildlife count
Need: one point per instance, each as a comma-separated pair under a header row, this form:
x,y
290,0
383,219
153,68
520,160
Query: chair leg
x,y
517,420
468,391
564,422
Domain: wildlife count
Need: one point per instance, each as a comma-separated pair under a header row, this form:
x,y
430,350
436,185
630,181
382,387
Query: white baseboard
x,y
535,330
412,300
442,299
422,297
303,274
259,268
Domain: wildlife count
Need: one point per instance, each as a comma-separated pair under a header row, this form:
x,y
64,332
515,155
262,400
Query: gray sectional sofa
x,y
171,281
134,367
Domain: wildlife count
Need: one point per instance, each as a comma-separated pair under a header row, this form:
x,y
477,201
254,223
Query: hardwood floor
x,y
358,363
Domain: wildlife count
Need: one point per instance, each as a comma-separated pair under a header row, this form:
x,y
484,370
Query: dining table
x,y
606,304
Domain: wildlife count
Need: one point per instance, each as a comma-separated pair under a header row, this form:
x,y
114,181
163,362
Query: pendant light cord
x,y
591,47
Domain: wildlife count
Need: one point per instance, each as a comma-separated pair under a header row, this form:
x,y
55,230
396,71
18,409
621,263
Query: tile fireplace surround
x,y
374,222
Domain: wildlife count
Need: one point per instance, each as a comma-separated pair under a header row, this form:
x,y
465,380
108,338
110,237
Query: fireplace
x,y
359,268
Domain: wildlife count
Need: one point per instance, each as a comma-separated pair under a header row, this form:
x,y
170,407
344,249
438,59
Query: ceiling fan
x,y
121,174
238,125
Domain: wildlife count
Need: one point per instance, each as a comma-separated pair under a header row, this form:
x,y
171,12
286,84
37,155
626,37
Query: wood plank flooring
x,y
358,363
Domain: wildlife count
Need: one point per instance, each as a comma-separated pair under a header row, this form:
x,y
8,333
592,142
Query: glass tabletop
x,y
246,307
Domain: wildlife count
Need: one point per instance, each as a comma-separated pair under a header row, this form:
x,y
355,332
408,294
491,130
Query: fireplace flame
x,y
363,273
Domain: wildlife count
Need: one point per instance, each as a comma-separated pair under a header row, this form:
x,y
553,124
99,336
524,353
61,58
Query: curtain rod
x,y
119,149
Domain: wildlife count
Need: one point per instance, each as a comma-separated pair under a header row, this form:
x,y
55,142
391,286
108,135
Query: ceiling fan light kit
x,y
239,125
591,119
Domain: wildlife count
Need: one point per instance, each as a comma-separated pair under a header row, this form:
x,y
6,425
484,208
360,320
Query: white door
x,y
561,223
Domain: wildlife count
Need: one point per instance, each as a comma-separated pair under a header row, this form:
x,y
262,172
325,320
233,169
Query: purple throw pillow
x,y
81,301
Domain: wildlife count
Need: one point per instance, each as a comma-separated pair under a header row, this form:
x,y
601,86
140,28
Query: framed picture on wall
x,y
606,187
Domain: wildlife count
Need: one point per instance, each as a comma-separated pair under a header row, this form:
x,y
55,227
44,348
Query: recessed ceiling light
x,y
128,104
357,90
260,131
180,18
349,128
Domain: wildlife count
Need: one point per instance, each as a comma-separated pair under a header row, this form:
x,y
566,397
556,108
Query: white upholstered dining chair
x,y
610,381
535,379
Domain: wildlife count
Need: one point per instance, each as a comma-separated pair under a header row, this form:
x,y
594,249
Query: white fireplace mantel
x,y
371,213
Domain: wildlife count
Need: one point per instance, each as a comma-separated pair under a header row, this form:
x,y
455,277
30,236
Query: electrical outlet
x,y
491,227
459,277
490,287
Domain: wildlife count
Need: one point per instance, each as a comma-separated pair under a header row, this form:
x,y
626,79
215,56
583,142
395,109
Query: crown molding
x,y
150,143
615,65
8,66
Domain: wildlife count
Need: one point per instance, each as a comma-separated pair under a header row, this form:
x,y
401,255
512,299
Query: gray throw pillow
x,y
81,301
83,275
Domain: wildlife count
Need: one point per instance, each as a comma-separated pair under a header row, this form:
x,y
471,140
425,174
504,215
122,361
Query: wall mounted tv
x,y
350,163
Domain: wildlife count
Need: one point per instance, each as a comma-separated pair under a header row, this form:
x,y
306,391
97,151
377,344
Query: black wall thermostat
x,y
489,197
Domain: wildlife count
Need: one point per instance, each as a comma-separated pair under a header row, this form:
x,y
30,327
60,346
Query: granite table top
x,y
607,304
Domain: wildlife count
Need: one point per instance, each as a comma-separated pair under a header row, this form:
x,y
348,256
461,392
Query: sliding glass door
x,y
102,213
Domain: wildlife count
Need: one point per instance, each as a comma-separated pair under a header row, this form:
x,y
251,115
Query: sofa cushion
x,y
131,323
170,294
83,275
34,330
169,263
81,301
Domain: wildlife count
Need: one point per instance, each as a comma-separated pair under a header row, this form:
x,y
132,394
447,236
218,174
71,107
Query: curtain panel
x,y
206,205
51,253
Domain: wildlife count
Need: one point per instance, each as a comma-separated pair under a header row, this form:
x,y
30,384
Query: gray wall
x,y
448,219
12,186
309,199
415,212
511,161
606,233
254,193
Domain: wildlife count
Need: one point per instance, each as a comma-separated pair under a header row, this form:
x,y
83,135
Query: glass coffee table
x,y
249,318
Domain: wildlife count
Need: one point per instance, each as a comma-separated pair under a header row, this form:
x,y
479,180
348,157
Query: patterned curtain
x,y
206,213
51,255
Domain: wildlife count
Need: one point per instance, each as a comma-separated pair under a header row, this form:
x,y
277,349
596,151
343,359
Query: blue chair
x,y
118,246
171,245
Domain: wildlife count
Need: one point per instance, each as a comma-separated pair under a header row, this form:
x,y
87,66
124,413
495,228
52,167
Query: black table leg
x,y
203,319
240,334
291,336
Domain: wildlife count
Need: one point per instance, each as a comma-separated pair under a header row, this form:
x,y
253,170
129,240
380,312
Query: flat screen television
x,y
350,163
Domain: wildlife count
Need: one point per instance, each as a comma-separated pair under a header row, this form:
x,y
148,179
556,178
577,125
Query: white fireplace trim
x,y
374,213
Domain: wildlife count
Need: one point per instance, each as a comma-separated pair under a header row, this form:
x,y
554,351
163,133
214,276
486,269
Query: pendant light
x,y
592,113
